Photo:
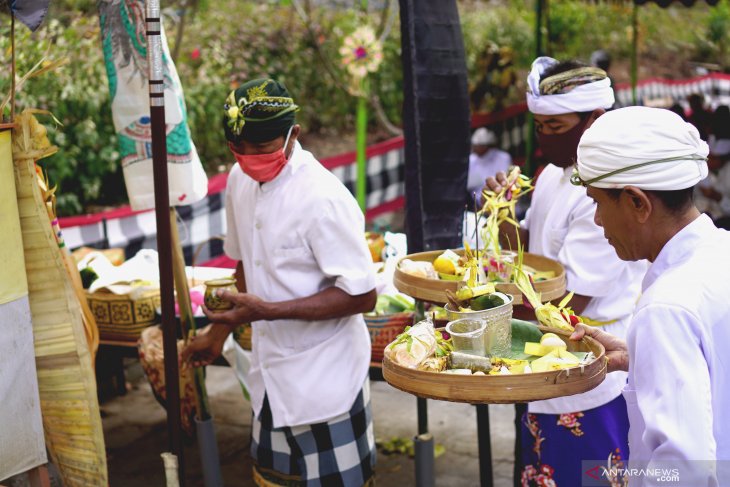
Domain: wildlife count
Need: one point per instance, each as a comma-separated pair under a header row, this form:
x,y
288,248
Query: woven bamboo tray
x,y
503,389
434,290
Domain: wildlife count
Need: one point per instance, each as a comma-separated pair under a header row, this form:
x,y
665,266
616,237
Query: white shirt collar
x,y
677,248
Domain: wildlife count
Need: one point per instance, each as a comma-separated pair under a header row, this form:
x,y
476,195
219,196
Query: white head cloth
x,y
582,98
482,136
650,148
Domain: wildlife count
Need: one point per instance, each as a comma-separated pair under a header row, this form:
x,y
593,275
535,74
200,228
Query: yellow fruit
x,y
552,340
444,265
447,263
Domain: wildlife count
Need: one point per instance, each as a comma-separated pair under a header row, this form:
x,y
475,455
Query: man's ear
x,y
593,116
232,147
638,203
295,131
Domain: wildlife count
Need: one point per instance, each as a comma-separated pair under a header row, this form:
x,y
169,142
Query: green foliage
x,y
227,42
86,169
711,43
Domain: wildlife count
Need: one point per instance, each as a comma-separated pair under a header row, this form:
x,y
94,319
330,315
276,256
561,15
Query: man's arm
x,y
508,236
330,303
672,388
578,302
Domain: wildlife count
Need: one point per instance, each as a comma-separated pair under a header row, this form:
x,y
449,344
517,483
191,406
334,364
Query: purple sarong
x,y
563,450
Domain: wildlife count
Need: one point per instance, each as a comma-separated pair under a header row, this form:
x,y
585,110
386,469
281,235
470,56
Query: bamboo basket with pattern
x,y
384,329
124,317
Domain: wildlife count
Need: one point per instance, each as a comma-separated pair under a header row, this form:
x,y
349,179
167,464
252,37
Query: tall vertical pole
x,y
634,51
530,149
361,135
164,238
362,132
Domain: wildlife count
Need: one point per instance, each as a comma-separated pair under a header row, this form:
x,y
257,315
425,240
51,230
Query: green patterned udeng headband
x,y
576,180
237,111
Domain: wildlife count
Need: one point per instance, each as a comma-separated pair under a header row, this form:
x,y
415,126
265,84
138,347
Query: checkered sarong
x,y
340,452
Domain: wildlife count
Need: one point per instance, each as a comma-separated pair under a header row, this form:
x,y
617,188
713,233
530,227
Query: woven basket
x,y
383,330
123,317
434,290
504,389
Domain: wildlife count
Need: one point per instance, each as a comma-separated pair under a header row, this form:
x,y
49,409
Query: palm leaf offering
x,y
500,207
66,379
531,351
561,316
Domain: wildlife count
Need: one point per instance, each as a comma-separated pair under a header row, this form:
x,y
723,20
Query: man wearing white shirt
x,y
298,235
485,160
640,166
566,98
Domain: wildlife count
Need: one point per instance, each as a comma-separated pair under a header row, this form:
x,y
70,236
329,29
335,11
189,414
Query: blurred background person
x,y
698,115
485,160
713,193
679,110
601,59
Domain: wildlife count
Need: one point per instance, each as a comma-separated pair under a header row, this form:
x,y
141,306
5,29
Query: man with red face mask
x,y
304,276
558,435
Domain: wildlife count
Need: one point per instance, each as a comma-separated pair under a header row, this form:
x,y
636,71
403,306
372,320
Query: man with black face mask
x,y
559,436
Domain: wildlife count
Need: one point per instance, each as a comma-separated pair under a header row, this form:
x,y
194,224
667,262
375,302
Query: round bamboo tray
x,y
503,389
434,290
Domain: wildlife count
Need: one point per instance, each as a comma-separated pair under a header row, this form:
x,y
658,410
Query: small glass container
x,y
500,266
467,335
212,289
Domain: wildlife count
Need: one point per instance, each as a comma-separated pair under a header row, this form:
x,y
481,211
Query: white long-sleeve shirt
x,y
297,235
678,392
561,226
481,167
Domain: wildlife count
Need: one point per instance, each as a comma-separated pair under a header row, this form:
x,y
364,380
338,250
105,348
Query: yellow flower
x,y
233,112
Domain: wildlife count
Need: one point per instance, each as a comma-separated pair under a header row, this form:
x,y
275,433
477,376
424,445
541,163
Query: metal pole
x,y
485,446
529,163
634,52
423,451
362,135
164,238
423,443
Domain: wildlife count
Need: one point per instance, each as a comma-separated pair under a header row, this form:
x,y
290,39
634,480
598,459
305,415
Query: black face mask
x,y
561,149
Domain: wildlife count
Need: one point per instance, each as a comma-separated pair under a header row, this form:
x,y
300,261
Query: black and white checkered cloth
x,y
715,87
202,222
340,452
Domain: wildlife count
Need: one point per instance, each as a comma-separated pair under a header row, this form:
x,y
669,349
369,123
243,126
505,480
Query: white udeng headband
x,y
650,148
583,98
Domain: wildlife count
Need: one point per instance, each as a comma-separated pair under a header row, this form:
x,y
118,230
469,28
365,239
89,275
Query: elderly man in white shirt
x,y
640,166
298,235
566,98
485,160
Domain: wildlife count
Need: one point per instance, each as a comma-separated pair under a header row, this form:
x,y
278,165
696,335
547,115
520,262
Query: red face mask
x,y
264,167
562,149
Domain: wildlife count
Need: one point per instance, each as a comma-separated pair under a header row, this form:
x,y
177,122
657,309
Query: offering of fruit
x,y
448,266
548,343
376,244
